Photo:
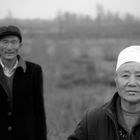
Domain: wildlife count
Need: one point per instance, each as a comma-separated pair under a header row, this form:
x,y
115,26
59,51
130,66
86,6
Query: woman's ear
x,y
115,77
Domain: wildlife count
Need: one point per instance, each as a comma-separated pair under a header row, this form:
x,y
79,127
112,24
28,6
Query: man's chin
x,y
9,58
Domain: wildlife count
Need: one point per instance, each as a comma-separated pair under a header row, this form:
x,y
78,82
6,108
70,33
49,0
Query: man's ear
x,y
20,45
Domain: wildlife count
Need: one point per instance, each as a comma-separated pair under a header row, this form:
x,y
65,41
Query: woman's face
x,y
128,82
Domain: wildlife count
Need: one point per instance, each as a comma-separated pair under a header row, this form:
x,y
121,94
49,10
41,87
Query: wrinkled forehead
x,y
129,67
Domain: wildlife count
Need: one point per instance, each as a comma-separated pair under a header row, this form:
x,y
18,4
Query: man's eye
x,y
5,42
14,42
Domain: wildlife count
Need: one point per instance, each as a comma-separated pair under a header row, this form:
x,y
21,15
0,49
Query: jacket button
x,y
9,128
9,113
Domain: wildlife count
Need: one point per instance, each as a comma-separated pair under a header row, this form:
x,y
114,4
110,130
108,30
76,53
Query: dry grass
x,y
64,108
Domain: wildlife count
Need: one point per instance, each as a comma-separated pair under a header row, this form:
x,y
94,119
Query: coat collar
x,y
111,106
21,64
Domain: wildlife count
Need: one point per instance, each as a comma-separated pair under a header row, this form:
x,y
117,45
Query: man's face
x,y
9,47
128,82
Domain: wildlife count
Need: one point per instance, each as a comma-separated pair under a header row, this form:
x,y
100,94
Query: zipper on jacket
x,y
115,124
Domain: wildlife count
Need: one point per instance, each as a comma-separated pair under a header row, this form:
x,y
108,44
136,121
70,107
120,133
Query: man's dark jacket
x,y
23,117
101,124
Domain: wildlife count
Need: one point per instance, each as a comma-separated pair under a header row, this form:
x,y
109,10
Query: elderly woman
x,y
118,119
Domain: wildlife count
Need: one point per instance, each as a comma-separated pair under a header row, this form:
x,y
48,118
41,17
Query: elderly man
x,y
22,114
119,119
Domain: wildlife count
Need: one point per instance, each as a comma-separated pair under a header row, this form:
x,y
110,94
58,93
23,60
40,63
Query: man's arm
x,y
41,127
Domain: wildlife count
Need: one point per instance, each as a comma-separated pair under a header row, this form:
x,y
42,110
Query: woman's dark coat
x,y
23,117
101,124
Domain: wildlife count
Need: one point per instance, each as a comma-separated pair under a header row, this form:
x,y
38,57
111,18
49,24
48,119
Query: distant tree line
x,y
69,26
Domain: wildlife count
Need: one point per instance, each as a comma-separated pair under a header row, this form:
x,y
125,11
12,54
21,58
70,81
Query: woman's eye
x,y
125,75
138,76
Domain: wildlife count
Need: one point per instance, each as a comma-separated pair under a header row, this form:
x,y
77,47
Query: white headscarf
x,y
129,54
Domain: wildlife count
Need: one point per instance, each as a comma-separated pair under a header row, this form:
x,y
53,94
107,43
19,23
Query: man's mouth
x,y
9,52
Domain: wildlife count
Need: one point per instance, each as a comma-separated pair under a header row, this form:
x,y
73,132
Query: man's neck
x,y
9,63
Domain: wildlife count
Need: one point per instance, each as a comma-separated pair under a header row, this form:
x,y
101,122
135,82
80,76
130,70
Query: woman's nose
x,y
132,81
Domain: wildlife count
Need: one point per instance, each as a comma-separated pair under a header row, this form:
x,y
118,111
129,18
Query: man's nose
x,y
9,46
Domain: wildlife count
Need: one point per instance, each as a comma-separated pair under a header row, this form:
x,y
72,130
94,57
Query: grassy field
x,y
65,108
78,75
78,60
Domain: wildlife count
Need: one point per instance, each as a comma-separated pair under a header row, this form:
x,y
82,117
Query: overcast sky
x,y
48,9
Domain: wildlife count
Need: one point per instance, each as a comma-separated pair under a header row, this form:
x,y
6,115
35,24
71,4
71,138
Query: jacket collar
x,y
111,106
21,63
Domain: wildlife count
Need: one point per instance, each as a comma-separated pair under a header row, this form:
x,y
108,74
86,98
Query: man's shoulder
x,y
33,67
32,64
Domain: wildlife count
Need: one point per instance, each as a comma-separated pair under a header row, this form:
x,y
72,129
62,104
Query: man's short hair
x,y
10,30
